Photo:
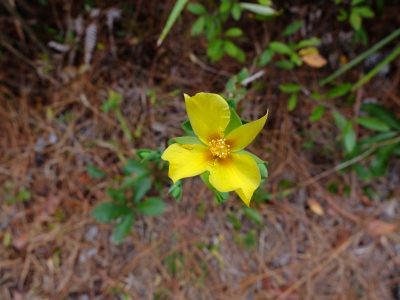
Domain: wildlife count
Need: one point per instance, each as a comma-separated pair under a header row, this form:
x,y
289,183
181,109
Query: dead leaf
x,y
315,207
378,227
312,57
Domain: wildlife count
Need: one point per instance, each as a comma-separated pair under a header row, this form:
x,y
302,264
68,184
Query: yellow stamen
x,y
219,148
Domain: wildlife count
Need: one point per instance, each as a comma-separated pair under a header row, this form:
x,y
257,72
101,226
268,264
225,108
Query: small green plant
x,y
355,13
382,142
131,194
211,24
113,103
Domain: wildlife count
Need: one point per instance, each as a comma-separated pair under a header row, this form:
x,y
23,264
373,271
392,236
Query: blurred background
x,y
92,90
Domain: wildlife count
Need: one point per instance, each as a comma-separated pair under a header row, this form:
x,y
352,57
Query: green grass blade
x,y
376,69
173,16
361,57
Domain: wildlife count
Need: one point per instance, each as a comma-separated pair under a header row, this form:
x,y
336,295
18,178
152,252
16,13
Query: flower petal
x,y
242,136
238,172
208,114
186,160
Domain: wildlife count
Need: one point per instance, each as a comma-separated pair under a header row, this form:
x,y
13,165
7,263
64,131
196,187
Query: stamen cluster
x,y
219,148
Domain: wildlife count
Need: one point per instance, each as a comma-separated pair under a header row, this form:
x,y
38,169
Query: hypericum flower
x,y
218,148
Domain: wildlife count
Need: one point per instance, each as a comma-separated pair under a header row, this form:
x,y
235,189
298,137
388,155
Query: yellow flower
x,y
217,148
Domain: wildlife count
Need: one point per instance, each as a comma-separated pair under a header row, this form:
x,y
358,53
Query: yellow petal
x,y
186,160
238,172
243,135
208,114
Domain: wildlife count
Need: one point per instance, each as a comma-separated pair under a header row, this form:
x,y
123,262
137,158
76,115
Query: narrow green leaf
x,y
292,28
380,137
234,122
373,123
355,20
312,42
196,8
141,186
198,26
340,120
258,9
253,215
176,190
234,32
281,48
290,88
133,166
123,228
292,103
380,161
383,114
234,51
349,137
215,49
266,57
153,206
317,113
236,11
173,16
364,11
285,64
339,90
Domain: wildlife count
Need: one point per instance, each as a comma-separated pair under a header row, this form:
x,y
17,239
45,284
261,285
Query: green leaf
x,y
292,103
173,16
312,42
357,2
133,166
187,128
340,120
363,11
382,114
290,88
123,228
215,49
339,90
253,215
188,140
373,123
380,137
148,154
349,137
141,186
355,20
263,170
234,32
109,211
292,28
196,8
118,195
281,48
153,206
317,113
198,26
234,122
380,161
95,172
285,64
258,9
362,172
236,11
113,101
266,57
176,190
234,51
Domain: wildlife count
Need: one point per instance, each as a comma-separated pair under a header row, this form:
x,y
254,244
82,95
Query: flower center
x,y
219,148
